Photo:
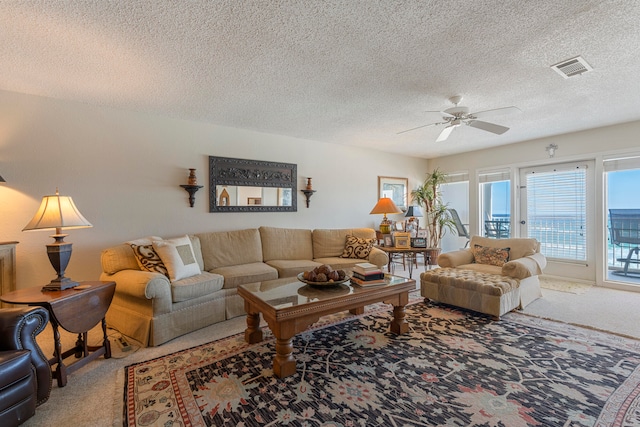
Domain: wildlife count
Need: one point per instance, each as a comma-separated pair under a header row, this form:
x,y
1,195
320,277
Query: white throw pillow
x,y
178,256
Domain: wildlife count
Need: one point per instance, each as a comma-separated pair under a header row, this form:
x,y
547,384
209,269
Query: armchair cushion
x,y
522,268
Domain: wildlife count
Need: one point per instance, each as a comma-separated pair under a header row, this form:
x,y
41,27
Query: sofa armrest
x,y
140,284
455,258
18,330
524,267
378,257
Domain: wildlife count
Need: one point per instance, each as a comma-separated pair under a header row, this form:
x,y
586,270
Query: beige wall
x,y
124,169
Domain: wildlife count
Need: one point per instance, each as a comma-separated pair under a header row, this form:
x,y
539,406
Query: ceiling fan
x,y
456,116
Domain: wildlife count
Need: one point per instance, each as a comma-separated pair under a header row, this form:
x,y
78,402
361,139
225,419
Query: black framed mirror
x,y
243,185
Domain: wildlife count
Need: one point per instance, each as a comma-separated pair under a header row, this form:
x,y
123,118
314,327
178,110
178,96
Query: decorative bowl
x,y
322,284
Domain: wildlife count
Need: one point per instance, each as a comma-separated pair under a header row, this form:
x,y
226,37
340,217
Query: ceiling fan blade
x,y
442,113
419,127
445,133
489,127
496,111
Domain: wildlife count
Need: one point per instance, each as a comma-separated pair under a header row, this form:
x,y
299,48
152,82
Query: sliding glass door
x,y
495,204
622,176
557,210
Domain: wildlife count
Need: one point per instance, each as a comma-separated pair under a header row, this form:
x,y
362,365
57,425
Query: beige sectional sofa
x,y
151,309
467,281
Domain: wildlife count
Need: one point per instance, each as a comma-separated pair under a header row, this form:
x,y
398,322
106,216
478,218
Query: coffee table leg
x,y
253,333
283,363
399,324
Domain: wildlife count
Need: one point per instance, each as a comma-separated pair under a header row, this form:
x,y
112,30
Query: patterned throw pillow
x,y
148,259
356,247
490,256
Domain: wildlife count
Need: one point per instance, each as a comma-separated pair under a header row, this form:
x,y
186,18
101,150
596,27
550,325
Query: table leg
x,y
399,323
105,341
283,363
60,372
411,256
357,311
253,333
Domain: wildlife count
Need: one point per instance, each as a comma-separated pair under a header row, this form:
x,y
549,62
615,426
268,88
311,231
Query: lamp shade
x,y
414,211
385,206
57,212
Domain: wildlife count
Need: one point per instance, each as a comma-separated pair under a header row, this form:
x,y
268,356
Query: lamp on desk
x,y
58,212
385,206
414,212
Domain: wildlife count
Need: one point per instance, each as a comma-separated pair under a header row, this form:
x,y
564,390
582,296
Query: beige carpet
x,y
562,285
93,395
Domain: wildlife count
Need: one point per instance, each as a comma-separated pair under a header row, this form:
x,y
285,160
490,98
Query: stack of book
x,y
367,274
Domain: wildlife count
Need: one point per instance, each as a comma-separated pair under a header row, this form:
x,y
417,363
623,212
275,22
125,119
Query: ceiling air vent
x,y
572,67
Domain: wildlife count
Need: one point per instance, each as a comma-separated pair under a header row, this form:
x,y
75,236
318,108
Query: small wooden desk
x,y
411,254
77,311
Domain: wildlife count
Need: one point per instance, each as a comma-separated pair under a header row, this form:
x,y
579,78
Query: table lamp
x,y
414,212
385,206
58,212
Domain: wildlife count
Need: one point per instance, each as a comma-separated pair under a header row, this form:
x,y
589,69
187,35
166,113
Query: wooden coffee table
x,y
290,307
76,310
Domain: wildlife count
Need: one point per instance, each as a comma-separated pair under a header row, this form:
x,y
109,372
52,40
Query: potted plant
x,y
437,217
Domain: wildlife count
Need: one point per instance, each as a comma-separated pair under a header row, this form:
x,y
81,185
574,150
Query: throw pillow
x,y
148,259
357,247
490,256
178,256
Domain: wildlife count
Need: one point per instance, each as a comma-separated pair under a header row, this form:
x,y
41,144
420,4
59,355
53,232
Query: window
x,y
495,204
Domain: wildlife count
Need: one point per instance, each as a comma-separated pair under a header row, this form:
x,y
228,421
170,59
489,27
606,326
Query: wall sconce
x,y
551,149
192,186
308,192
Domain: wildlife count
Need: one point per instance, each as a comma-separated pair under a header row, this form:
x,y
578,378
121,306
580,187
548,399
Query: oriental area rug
x,y
452,368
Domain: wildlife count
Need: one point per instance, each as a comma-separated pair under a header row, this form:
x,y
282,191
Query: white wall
x,y
596,144
124,169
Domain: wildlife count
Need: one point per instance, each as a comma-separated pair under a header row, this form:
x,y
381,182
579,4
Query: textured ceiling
x,y
351,72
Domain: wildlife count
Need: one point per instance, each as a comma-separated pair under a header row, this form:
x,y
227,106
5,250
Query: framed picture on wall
x,y
397,189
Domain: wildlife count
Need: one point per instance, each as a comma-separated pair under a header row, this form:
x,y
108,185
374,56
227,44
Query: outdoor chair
x,y
460,227
624,231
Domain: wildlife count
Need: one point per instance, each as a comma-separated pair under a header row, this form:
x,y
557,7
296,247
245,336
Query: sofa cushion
x,y
197,250
292,267
148,259
235,275
230,248
491,256
178,257
286,244
357,247
519,247
118,258
330,242
196,286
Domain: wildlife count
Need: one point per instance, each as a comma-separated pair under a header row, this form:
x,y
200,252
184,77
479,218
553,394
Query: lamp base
x,y
60,285
59,254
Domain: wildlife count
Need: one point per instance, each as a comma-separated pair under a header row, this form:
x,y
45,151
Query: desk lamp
x,y
385,206
58,212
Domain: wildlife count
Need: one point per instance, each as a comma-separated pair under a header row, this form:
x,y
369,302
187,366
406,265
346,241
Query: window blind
x,y
556,211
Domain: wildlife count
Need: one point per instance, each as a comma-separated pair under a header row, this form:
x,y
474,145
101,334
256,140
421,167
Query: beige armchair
x,y
492,276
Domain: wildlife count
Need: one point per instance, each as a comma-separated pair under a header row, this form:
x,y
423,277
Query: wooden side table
x,y
76,310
